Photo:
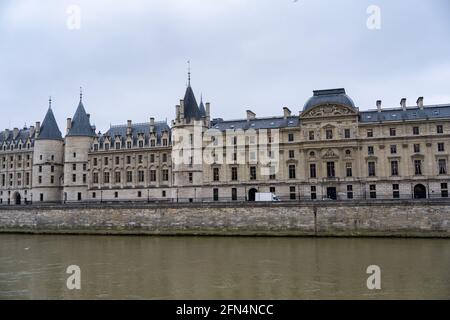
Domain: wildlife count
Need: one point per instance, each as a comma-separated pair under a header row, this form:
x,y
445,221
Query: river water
x,y
124,267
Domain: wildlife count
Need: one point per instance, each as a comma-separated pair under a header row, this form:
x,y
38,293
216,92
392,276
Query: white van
x,y
266,197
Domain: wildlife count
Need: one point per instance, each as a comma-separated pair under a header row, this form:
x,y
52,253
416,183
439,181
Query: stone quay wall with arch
x,y
379,218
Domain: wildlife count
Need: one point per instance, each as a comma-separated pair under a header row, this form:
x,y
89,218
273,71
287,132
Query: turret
x,y
48,161
78,142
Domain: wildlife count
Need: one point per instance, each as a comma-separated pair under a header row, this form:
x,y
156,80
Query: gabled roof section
x,y
49,128
81,126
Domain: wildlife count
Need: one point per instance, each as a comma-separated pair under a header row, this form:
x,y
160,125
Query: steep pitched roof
x,y
49,128
81,126
191,110
202,109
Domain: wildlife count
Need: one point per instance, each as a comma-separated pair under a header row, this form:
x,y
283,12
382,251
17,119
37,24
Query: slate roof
x,y
138,128
411,113
258,123
331,96
81,126
23,135
202,109
49,128
191,110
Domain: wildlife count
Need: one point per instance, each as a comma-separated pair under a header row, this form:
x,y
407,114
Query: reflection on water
x,y
33,267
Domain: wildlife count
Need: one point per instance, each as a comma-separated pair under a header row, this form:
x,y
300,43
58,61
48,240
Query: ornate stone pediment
x,y
329,111
330,154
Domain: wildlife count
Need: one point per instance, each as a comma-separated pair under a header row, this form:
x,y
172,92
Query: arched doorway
x,y
17,198
420,192
252,194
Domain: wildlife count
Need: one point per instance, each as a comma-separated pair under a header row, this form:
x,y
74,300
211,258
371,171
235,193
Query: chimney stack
x,y
177,112
128,127
403,104
31,130
15,133
208,110
420,103
152,124
6,134
250,115
38,127
379,104
69,125
286,112
181,110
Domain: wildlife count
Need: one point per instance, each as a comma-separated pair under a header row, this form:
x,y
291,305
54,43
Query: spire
x,y
201,107
81,126
49,128
189,73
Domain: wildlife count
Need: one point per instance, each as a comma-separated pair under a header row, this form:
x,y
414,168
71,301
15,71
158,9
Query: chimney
x,y
177,112
379,103
31,131
181,109
286,112
250,115
420,103
15,133
38,127
208,110
403,104
69,125
6,134
128,127
152,124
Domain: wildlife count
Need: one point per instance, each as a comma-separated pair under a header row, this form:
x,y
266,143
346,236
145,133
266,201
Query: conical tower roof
x,y
81,126
191,110
49,128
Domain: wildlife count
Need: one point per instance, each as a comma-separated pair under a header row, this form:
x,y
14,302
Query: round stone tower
x,y
48,162
78,141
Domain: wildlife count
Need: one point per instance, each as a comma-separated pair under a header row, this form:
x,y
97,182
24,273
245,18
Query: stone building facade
x,y
330,150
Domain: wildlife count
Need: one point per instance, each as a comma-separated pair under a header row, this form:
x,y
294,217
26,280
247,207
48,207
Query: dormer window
x,y
165,142
141,144
128,144
117,145
152,143
96,147
106,146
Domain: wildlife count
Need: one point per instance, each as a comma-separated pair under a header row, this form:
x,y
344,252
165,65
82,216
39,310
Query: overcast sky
x,y
131,57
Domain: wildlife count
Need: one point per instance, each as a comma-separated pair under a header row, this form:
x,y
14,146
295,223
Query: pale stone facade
x,y
331,150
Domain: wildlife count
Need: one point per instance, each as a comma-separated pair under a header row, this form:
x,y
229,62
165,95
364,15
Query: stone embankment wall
x,y
384,218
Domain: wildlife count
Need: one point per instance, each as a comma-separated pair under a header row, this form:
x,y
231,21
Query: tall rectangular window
x,y
394,168
416,131
329,134
129,176
331,172
165,175
216,194
349,192
349,170
440,129
234,194
371,167
395,191
106,177
418,167
393,149
234,173
312,170
117,176
252,173
444,190
392,132
441,147
292,171
442,166
141,176
373,191
347,133
152,175
313,193
216,176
